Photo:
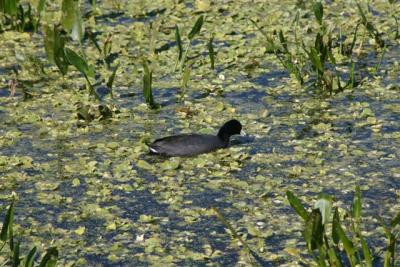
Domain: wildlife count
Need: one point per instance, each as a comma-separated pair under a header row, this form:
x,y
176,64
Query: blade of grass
x,y
16,261
297,205
110,81
7,223
339,234
29,261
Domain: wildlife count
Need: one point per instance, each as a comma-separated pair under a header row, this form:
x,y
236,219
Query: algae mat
x,y
92,190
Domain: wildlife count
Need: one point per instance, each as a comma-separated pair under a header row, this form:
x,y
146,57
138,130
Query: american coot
x,y
193,144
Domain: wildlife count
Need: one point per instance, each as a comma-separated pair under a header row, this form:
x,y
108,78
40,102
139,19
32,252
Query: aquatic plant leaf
x,y
178,42
283,42
7,223
395,221
59,55
334,259
147,87
296,205
9,7
357,205
314,230
50,258
324,204
196,27
54,42
29,260
391,248
185,76
339,234
49,37
366,252
318,11
41,6
315,59
78,62
15,259
111,79
71,19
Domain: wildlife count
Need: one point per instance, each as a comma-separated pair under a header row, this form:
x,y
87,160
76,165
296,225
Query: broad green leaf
x,y
78,62
296,205
324,204
7,223
196,27
59,55
318,11
68,13
314,230
29,261
71,19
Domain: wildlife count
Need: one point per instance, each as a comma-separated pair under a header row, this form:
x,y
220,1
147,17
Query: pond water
x,y
93,190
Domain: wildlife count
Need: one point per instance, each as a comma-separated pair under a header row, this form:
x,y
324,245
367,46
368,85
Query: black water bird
x,y
185,145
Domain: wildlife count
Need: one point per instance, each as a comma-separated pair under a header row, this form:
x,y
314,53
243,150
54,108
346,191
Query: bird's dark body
x,y
186,145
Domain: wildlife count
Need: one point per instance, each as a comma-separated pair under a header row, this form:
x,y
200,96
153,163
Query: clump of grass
x,y
12,251
314,62
18,17
195,31
339,248
182,55
371,29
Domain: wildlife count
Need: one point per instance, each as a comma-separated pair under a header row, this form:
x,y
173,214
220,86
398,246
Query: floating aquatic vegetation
x,y
89,187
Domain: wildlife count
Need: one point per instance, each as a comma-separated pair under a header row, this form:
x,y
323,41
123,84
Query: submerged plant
x,y
12,253
339,248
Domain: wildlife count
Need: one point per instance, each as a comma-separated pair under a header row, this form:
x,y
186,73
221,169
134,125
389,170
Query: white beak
x,y
242,133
